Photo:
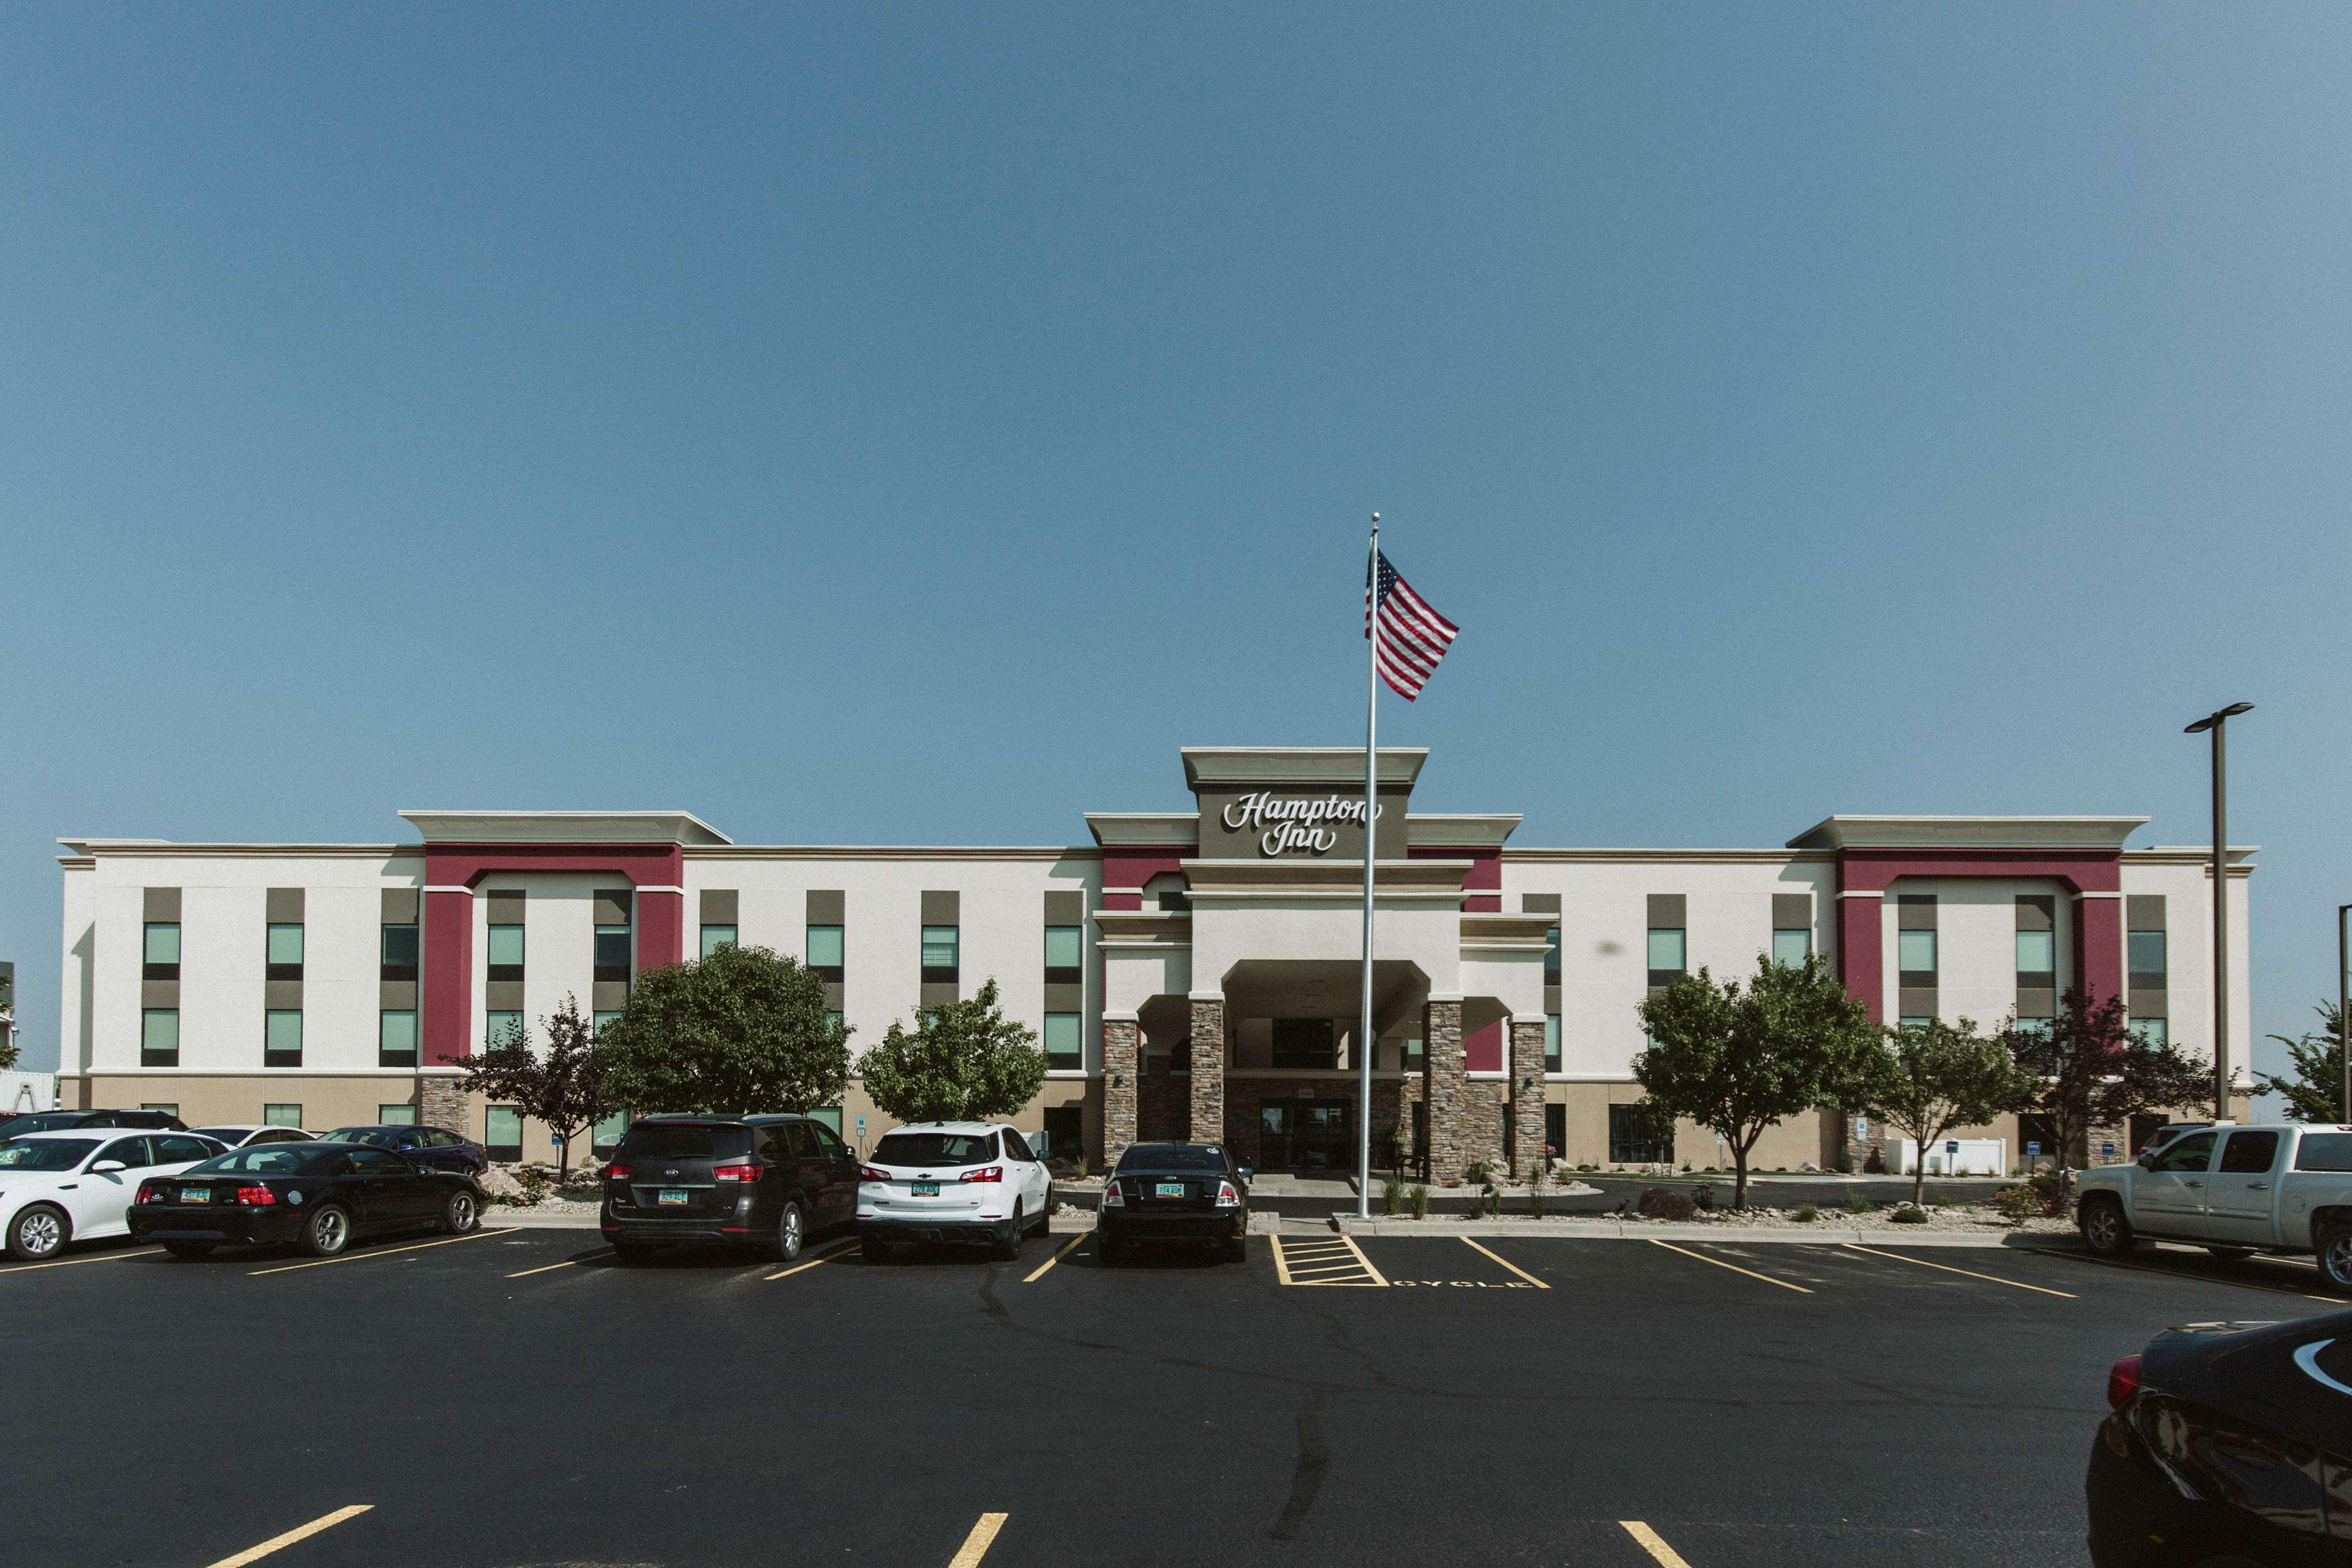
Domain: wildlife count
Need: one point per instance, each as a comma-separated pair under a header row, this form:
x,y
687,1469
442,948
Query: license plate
x,y
672,1195
1172,1189
926,1189
195,1195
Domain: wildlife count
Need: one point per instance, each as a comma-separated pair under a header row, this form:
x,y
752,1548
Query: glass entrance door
x,y
1306,1135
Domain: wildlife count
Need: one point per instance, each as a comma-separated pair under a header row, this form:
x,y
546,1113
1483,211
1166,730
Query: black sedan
x,y
321,1196
1173,1192
2230,1446
435,1148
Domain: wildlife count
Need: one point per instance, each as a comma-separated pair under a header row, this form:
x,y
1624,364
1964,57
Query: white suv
x,y
952,1181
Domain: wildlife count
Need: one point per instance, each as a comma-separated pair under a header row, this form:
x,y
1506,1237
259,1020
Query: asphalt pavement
x,y
517,1398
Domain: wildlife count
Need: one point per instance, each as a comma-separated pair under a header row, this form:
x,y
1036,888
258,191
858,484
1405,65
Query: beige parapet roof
x,y
563,828
1333,767
1968,833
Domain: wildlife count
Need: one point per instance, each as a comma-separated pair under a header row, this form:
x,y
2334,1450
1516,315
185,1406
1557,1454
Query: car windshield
x,y
266,1160
382,1137
685,1142
934,1149
1171,1157
45,1153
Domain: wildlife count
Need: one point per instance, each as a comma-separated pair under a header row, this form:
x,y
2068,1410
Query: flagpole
x,y
1364,1043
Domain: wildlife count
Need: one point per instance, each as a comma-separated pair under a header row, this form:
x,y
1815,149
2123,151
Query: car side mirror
x,y
105,1167
1247,1175
2146,1162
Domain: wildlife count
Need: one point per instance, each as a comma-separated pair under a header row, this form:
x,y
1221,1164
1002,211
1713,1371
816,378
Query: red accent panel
x,y
661,930
1482,1048
1862,953
1481,885
2085,871
2099,947
448,983
1133,865
464,864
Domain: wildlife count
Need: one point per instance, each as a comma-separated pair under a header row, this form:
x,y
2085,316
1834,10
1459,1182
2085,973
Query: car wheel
x,y
2336,1256
460,1214
792,1231
1008,1246
40,1232
327,1232
189,1248
2104,1227
630,1253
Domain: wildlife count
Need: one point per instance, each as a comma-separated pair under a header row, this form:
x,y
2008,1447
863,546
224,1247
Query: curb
x,y
1618,1230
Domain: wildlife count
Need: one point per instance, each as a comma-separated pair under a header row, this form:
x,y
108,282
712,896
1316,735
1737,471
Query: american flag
x,y
1412,637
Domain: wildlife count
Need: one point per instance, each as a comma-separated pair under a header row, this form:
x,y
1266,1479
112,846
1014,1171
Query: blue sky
x,y
911,423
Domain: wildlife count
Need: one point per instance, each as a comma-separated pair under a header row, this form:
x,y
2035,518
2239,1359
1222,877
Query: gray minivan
x,y
765,1184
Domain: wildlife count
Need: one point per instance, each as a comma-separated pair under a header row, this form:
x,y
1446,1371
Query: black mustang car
x,y
1173,1192
322,1196
2230,1447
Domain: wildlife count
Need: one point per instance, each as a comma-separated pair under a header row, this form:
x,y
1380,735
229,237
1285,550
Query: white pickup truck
x,y
2268,1187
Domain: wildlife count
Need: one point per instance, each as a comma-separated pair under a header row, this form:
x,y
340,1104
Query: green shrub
x,y
1702,1196
2052,1188
1078,1167
1909,1214
1392,1195
2017,1204
1859,1202
1664,1203
1805,1214
1420,1197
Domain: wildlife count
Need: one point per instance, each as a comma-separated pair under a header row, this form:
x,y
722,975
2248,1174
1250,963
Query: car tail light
x,y
740,1171
868,1174
1110,1199
260,1196
2123,1381
151,1192
616,1173
1227,1197
986,1173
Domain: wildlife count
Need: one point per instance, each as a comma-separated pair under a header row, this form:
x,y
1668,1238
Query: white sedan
x,y
245,1134
952,1181
57,1187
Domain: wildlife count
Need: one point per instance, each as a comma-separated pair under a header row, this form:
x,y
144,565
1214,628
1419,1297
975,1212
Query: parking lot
x,y
515,1397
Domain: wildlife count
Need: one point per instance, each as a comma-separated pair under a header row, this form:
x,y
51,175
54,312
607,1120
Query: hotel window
x,y
1792,948
1669,955
613,953
1633,1140
285,951
281,1038
833,1019
597,1023
2037,960
2149,1031
714,937
1064,948
1915,1021
2148,971
940,962
396,951
159,1037
502,1029
281,1115
824,951
396,1039
605,1136
1792,929
502,1133
1065,1136
506,953
162,950
401,1114
1551,956
1551,1043
1062,1042
1916,958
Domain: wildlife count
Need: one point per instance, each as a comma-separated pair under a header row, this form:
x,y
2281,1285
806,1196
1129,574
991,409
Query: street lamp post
x,y
2215,723
2344,985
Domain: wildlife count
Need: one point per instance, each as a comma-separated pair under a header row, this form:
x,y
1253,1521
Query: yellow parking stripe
x,y
1507,1264
1294,1260
386,1252
1995,1279
1719,1263
975,1545
548,1268
1648,1539
1067,1247
70,1262
825,1257
300,1532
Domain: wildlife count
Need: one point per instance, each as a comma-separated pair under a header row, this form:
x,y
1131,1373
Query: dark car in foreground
x,y
321,1196
435,1148
72,1121
763,1182
1188,1193
2230,1446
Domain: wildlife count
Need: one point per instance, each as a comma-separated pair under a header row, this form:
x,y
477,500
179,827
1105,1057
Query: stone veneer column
x,y
1526,1093
1119,1062
1448,1074
441,1103
1208,1057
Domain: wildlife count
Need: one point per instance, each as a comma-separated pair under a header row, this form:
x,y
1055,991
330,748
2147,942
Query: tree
x,y
2088,1069
965,1061
2315,1093
564,1088
7,1010
1737,1060
1927,1078
742,1029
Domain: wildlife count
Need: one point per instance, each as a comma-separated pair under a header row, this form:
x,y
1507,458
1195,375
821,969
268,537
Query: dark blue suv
x,y
435,1148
